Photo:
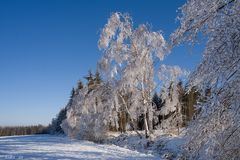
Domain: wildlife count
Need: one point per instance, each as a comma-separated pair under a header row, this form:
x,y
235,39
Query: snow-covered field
x,y
47,147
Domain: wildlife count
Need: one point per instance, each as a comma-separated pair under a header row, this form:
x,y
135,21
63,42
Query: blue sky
x,y
46,46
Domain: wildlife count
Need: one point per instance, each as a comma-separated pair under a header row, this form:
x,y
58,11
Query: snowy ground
x,y
46,147
167,146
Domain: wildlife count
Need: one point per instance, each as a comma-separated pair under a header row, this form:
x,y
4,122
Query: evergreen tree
x,y
73,92
79,87
61,116
157,101
55,127
90,81
189,100
89,78
97,78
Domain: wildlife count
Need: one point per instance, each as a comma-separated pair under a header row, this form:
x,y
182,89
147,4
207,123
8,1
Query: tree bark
x,y
146,125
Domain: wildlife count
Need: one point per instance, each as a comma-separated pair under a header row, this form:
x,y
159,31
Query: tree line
x,y
160,120
23,130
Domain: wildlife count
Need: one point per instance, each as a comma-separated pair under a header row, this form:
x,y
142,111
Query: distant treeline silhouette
x,y
23,130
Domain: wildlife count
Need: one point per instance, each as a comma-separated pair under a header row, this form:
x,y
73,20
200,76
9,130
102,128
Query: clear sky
x,y
47,45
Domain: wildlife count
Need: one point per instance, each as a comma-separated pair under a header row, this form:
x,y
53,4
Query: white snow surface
x,y
163,144
48,147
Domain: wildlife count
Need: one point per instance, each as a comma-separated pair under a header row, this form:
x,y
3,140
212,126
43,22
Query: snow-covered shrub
x,y
90,114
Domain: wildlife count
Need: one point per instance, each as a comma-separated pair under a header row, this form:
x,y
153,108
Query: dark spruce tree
x,y
80,85
90,81
97,78
157,101
89,78
157,104
55,127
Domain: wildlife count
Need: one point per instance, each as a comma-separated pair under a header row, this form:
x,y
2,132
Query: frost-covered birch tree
x,y
215,133
128,62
